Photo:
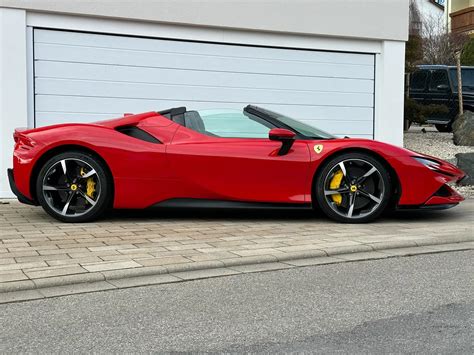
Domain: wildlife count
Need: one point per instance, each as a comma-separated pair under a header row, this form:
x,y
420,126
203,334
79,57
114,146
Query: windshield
x,y
298,126
467,76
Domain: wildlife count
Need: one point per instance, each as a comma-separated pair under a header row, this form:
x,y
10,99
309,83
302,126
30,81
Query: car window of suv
x,y
418,80
438,77
467,76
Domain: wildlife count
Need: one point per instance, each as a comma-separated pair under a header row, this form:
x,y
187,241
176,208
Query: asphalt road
x,y
419,304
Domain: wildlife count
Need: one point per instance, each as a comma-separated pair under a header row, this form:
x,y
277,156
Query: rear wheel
x,y
353,188
74,187
444,127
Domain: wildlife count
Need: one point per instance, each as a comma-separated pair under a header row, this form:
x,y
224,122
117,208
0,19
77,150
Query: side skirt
x,y
203,203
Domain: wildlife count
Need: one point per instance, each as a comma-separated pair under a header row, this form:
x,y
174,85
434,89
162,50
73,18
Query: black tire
x,y
444,127
54,187
372,193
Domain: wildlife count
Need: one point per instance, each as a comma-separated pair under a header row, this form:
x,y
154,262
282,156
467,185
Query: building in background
x,y
334,64
460,16
426,12
431,8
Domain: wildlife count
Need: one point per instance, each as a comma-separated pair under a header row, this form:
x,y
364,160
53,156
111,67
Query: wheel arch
x,y
61,149
393,174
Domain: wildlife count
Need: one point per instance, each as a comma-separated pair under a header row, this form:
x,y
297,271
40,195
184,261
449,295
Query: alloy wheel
x,y
354,188
71,187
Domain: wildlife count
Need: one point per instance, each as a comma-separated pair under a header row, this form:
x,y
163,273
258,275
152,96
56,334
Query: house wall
x,y
373,19
13,86
429,10
432,15
456,5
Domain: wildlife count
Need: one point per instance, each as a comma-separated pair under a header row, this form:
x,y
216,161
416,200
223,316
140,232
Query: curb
x,y
116,279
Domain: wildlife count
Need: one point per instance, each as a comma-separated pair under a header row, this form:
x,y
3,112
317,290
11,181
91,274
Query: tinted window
x,y
438,77
227,123
467,77
418,81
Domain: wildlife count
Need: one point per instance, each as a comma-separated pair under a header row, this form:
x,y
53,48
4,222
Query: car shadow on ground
x,y
270,215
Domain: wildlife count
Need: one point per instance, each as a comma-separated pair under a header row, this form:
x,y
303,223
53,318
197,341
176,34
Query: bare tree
x,y
439,45
413,48
443,47
415,24
429,42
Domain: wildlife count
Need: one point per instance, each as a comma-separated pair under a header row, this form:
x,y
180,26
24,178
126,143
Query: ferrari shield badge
x,y
318,148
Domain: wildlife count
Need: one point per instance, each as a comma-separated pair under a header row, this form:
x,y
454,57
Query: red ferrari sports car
x,y
212,158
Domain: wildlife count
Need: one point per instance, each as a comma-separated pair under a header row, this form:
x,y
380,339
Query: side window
x,y
438,77
418,80
227,124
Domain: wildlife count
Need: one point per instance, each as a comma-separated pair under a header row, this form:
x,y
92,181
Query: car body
x,y
244,158
437,84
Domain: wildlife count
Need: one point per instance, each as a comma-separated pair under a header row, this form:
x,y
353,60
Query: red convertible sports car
x,y
215,158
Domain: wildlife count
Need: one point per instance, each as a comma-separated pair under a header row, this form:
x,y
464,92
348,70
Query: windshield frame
x,y
284,121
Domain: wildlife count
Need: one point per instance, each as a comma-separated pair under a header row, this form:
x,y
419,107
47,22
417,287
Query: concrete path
x,y
37,252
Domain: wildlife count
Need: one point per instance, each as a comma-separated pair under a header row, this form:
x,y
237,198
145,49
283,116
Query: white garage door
x,y
83,77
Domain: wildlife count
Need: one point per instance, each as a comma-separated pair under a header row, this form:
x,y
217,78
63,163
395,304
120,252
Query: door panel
x,y
439,96
419,85
242,169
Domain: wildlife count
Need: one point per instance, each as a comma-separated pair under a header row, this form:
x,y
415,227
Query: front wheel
x,y
353,188
74,187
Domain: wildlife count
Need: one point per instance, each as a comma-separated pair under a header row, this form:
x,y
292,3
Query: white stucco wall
x,y
375,19
13,86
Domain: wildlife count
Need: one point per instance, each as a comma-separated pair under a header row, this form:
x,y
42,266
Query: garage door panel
x,y
84,107
198,93
84,77
107,56
51,118
186,47
340,127
65,70
327,113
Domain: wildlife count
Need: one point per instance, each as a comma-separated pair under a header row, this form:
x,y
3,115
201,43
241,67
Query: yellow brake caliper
x,y
90,188
335,184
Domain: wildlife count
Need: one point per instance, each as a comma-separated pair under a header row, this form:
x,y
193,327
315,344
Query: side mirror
x,y
443,87
285,136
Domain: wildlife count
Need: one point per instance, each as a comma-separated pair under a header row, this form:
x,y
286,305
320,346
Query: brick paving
x,y
36,248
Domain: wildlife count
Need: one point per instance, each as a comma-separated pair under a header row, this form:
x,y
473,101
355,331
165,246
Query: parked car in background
x,y
437,84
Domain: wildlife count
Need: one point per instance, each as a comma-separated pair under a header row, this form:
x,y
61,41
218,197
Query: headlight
x,y
429,163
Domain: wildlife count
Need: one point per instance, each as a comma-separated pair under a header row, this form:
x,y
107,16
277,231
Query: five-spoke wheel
x,y
353,187
73,187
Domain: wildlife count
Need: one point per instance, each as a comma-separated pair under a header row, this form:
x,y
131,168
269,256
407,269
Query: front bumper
x,y
427,187
444,196
22,198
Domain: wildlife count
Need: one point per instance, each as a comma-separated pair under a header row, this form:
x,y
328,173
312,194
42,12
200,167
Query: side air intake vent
x,y
137,133
444,191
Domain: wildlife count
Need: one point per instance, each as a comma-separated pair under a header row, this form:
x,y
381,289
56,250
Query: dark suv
x,y
437,84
